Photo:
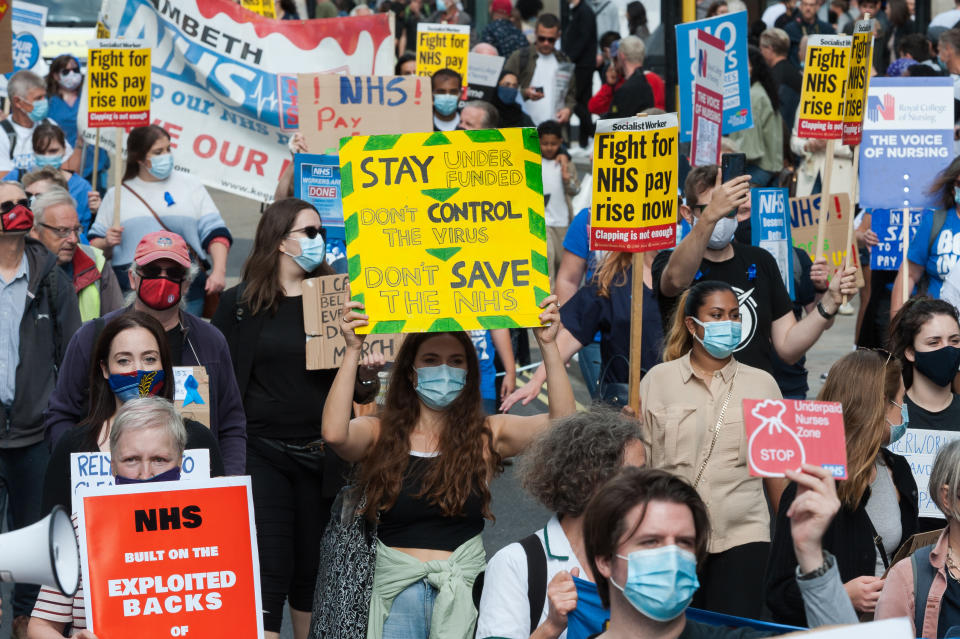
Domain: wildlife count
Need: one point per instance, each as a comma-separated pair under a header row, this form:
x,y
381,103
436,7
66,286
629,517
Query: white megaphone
x,y
45,553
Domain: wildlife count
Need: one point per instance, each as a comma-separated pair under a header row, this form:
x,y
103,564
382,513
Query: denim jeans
x,y
411,612
21,483
589,360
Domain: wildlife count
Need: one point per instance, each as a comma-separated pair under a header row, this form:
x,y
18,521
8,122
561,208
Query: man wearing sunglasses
x,y
38,315
57,224
537,66
160,276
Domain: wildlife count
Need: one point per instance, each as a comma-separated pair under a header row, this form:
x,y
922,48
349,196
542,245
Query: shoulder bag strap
x,y
536,577
716,430
923,575
193,254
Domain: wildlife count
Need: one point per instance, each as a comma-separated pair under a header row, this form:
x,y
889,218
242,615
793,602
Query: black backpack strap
x,y
51,286
939,219
536,577
923,574
11,134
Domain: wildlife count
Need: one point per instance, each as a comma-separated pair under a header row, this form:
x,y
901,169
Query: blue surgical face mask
x,y
312,253
507,95
161,166
445,104
47,160
438,386
168,475
899,430
39,112
127,386
719,338
660,581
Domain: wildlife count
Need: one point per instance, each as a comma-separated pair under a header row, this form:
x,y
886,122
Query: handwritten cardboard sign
x,y
707,100
825,75
635,184
888,225
336,106
920,447
171,559
804,218
443,46
192,393
118,84
323,300
858,83
93,470
445,231
783,434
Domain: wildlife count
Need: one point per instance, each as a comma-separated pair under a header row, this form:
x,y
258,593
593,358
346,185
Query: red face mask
x,y
159,293
16,218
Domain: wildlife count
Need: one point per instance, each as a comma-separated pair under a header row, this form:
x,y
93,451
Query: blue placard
x,y
316,179
888,225
770,229
732,29
907,140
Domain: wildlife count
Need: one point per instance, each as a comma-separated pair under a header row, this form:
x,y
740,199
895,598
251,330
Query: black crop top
x,y
415,522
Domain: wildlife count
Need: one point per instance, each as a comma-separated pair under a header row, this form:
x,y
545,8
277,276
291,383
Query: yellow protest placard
x,y
118,84
855,104
635,184
445,231
443,46
266,8
824,85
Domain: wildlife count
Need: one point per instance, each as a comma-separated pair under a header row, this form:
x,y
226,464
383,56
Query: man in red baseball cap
x,y
501,32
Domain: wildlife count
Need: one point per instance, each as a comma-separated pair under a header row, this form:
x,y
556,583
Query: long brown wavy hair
x,y
462,469
612,272
261,271
863,382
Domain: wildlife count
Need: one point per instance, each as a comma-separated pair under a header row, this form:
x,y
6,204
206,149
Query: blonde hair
x,y
612,264
679,341
863,382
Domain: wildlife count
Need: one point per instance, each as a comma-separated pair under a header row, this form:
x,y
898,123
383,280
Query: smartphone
x,y
732,165
538,89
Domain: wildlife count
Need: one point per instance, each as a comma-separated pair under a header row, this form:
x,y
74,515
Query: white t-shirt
x,y
23,150
504,605
446,125
946,19
555,210
544,75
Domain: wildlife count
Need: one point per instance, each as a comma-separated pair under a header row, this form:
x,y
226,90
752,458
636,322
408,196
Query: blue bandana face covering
x,y
438,386
170,475
137,384
660,581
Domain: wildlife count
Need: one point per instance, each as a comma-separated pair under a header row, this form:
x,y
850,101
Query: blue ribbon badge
x,y
193,395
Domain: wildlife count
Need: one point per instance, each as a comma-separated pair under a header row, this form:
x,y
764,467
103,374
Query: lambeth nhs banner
x,y
224,80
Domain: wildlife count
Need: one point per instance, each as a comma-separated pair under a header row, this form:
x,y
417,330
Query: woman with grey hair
x,y
529,585
147,441
931,575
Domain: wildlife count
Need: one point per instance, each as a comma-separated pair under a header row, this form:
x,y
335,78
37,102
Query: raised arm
x,y
349,438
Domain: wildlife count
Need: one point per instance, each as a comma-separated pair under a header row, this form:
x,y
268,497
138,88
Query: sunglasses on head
x,y
9,205
546,39
153,271
312,232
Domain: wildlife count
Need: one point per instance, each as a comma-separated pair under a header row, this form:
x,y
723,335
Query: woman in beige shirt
x,y
692,410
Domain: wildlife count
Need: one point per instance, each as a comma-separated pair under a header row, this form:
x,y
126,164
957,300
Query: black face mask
x,y
939,366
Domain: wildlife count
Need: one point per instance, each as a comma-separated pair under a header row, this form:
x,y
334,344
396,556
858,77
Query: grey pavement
x,y
516,513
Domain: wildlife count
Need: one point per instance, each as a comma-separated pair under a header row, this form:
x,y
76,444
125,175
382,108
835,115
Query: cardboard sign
x,y
920,447
732,29
443,46
118,84
171,559
858,82
6,37
93,470
825,75
323,300
907,141
336,106
804,218
316,179
770,229
445,231
635,184
484,70
707,100
888,225
29,21
192,393
783,434
265,8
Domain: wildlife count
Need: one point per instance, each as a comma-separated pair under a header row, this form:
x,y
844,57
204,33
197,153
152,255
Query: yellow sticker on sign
x,y
118,84
824,84
858,83
445,231
266,8
635,184
443,46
